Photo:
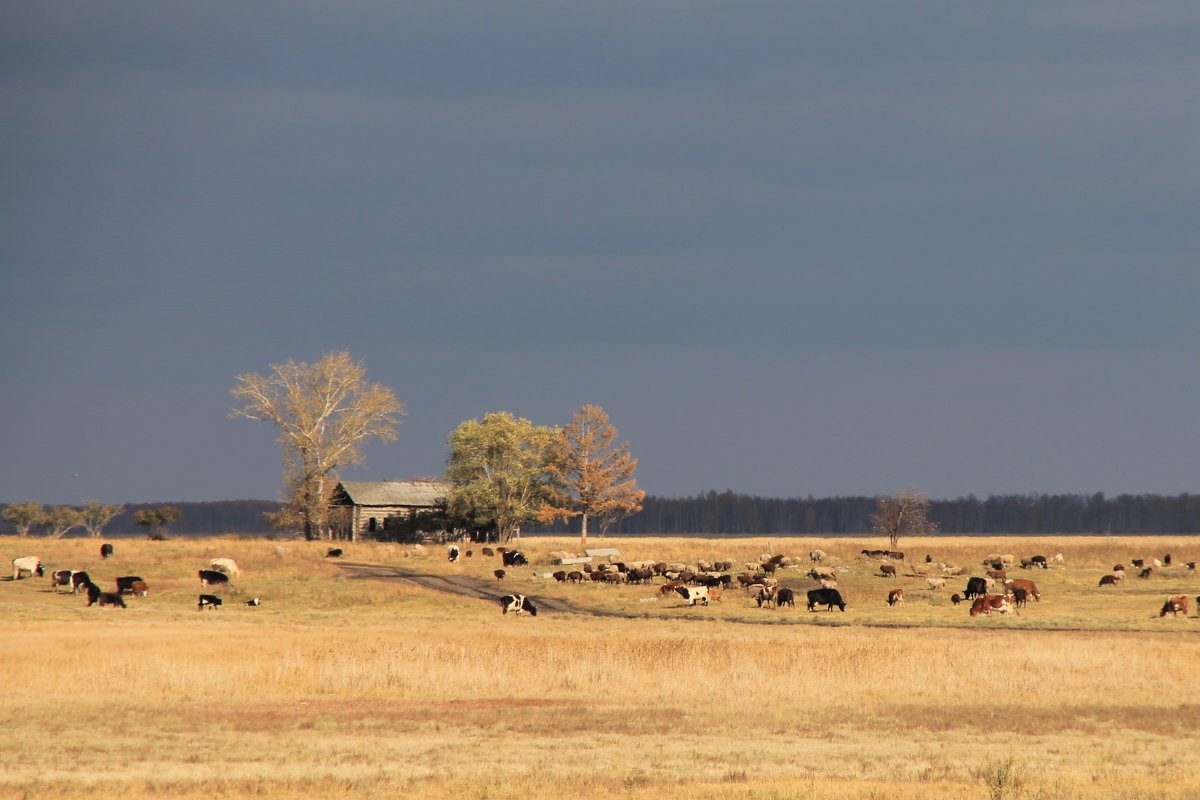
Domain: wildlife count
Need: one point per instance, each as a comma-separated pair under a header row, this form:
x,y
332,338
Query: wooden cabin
x,y
367,505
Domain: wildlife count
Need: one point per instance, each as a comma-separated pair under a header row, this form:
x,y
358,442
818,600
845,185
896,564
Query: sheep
x,y
936,583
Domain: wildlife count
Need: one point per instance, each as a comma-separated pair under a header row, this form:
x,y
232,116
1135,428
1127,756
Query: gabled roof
x,y
421,494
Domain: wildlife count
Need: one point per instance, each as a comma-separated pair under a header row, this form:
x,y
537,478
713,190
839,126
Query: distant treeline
x,y
221,516
730,513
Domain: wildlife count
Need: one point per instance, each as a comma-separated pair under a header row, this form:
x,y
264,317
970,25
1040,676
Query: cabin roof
x,y
423,494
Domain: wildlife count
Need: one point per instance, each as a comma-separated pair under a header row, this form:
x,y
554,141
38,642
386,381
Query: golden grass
x,y
346,688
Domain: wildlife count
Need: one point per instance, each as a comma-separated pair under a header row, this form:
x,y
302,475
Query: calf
x,y
887,571
825,597
499,574
106,550
487,551
210,577
1175,605
1145,573
334,552
956,598
208,601
1108,580
518,603
785,597
560,576
139,589
895,597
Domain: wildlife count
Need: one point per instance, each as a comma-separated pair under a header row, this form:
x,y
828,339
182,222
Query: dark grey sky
x,y
791,248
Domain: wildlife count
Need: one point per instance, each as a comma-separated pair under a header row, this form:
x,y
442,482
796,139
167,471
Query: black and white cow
x,y
210,577
518,603
514,558
61,577
452,553
208,601
694,594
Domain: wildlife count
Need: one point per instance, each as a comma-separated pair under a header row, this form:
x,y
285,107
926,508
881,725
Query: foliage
x,y
498,468
905,514
324,412
61,519
25,516
156,520
589,476
95,515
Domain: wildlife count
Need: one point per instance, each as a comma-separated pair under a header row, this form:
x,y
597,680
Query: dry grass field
x,y
343,687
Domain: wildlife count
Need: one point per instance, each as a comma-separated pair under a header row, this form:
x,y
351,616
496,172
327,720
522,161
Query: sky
x,y
791,248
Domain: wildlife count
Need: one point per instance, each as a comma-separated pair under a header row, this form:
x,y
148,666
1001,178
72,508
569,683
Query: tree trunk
x,y
583,532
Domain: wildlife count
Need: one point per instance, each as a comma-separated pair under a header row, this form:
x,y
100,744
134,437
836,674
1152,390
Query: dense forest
x,y
731,513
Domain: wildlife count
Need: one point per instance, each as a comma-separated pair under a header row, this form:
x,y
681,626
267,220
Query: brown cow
x,y
895,597
1108,580
1029,586
669,587
887,571
988,603
998,574
1175,606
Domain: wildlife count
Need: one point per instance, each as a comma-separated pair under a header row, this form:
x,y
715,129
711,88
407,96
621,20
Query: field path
x,y
466,587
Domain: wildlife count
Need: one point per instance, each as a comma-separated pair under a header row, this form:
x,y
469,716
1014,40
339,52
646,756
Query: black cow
x,y
93,593
208,601
499,574
109,599
825,597
334,552
956,598
514,558
106,550
976,587
518,603
1020,596
210,577
1108,580
785,597
1145,573
1167,560
125,583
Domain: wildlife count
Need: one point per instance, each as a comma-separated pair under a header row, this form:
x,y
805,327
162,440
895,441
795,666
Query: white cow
x,y
226,565
30,564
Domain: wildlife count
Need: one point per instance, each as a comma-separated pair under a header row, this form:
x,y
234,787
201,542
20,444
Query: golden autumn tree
x,y
324,412
905,514
590,477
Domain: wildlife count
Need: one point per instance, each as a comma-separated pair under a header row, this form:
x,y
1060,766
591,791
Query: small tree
x,y
905,514
589,476
61,519
95,515
25,516
498,468
156,520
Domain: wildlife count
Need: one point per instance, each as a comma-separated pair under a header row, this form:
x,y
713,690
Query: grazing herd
x,y
78,581
697,584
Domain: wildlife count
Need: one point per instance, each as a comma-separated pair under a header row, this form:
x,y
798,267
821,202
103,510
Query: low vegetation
x,y
346,687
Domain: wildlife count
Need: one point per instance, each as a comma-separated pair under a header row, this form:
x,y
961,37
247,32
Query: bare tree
x,y
95,515
589,475
25,516
905,514
324,412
